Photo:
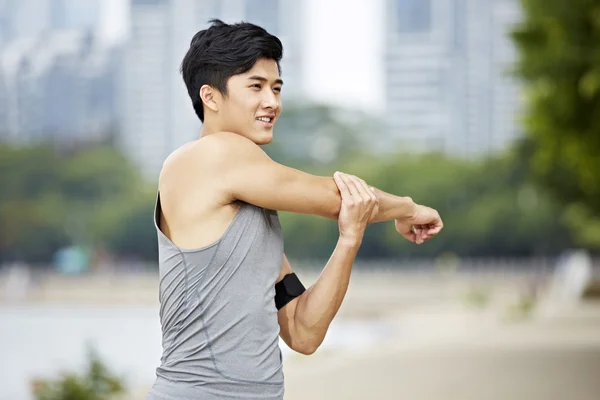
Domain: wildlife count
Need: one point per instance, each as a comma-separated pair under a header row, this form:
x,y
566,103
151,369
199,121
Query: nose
x,y
270,100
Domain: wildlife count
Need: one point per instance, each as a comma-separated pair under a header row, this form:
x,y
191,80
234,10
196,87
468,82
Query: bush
x,y
97,383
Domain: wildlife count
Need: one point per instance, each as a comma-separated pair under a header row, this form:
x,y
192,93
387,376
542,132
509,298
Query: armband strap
x,y
287,290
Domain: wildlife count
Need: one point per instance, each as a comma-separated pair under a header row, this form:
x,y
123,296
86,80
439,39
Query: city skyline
x,y
335,75
432,72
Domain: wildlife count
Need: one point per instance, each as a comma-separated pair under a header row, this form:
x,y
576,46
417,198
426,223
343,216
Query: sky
x,y
343,59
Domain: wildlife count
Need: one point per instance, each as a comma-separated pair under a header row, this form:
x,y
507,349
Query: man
x,y
227,291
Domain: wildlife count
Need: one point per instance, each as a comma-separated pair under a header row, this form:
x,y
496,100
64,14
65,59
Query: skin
x,y
201,183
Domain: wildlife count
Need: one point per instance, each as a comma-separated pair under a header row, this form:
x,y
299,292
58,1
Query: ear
x,y
209,97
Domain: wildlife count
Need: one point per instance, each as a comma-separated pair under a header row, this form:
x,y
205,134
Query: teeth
x,y
264,119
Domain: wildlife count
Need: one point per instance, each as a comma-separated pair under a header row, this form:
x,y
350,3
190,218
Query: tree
x,y
318,134
559,64
32,208
51,199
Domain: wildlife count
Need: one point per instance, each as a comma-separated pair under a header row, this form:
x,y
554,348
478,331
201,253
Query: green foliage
x,y
125,226
559,63
51,199
318,135
94,175
30,202
96,383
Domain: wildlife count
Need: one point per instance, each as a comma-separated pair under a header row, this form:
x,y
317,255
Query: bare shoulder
x,y
195,207
222,158
177,165
195,157
206,165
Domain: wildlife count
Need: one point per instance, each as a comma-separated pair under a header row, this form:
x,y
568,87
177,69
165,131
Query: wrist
x,y
351,242
393,207
407,209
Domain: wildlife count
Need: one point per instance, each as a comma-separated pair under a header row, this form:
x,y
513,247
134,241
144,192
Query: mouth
x,y
266,121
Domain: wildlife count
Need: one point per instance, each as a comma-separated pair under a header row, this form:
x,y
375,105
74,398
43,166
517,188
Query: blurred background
x,y
487,110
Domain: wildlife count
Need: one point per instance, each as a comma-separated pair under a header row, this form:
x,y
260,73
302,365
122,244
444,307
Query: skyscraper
x,y
56,87
146,134
448,87
418,65
56,79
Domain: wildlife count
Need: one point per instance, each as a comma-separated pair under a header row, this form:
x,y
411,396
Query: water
x,y
44,340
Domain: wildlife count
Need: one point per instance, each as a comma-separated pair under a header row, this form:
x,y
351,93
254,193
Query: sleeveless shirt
x,y
220,335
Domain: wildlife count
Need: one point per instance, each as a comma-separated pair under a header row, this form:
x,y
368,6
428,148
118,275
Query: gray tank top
x,y
217,312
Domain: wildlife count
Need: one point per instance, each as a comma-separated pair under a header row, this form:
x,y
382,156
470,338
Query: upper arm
x,y
245,172
286,315
286,269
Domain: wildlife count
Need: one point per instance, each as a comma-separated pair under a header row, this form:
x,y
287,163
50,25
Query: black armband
x,y
287,290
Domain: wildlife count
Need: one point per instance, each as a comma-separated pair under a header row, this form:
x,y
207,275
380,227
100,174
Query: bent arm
x,y
305,320
247,173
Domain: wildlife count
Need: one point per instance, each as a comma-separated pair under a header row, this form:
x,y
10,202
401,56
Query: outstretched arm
x,y
247,173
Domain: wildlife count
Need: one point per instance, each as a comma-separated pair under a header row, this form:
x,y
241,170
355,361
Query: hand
x,y
359,206
424,224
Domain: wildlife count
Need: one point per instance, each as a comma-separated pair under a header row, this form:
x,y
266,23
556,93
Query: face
x,y
252,104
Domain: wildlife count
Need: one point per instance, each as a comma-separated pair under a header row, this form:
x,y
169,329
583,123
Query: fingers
x,y
369,190
338,177
423,233
426,232
356,187
366,194
434,229
410,235
358,194
428,225
352,186
425,225
419,236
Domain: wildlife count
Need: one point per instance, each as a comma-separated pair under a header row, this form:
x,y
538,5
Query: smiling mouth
x,y
268,120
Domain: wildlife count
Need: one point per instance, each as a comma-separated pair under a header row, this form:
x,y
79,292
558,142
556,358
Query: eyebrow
x,y
263,79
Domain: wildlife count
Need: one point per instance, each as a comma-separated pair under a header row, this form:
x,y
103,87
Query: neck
x,y
208,128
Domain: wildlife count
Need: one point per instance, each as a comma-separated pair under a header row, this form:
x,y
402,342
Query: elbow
x,y
306,348
308,344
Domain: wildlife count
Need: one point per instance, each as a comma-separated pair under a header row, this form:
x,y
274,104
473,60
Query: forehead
x,y
263,67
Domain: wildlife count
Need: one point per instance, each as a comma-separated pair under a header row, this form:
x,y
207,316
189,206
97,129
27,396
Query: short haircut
x,y
223,50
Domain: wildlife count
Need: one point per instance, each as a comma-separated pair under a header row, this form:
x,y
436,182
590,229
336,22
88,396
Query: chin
x,y
263,138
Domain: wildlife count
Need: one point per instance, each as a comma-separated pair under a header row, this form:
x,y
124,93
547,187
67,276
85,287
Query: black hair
x,y
223,50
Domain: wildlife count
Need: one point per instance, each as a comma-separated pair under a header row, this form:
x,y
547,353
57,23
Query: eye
x,y
256,86
277,89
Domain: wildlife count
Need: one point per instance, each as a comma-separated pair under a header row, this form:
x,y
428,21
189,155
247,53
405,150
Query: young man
x,y
227,291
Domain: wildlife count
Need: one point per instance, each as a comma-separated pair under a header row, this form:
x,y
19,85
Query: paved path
x,y
555,357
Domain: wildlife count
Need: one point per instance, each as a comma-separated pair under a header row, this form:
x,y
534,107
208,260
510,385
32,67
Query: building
x,y
29,18
57,87
56,81
447,81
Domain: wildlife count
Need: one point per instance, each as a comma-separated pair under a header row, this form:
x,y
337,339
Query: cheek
x,y
244,106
